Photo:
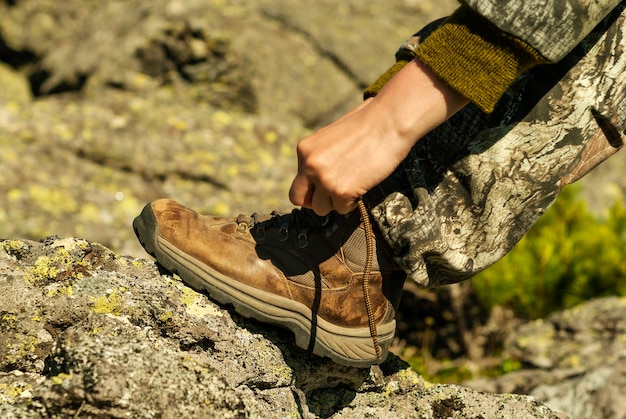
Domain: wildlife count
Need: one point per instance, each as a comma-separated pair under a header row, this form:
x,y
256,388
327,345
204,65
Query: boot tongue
x,y
312,219
301,217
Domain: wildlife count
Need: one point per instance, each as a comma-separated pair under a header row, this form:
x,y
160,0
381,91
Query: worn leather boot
x,y
329,279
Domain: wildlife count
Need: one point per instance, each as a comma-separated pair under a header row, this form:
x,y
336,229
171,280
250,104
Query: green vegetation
x,y
569,256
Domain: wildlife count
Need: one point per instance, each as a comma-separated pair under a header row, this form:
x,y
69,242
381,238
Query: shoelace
x,y
367,269
299,220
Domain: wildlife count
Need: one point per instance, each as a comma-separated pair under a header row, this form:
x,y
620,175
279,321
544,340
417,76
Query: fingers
x,y
301,191
321,203
306,194
344,206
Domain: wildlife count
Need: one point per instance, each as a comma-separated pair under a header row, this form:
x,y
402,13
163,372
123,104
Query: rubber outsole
x,y
344,346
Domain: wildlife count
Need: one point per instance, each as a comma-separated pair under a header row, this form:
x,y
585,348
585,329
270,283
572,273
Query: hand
x,y
342,161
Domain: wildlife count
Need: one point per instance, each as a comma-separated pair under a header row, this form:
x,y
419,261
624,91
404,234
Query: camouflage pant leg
x,y
470,189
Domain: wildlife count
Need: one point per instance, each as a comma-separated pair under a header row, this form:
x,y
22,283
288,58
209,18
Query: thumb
x,y
301,191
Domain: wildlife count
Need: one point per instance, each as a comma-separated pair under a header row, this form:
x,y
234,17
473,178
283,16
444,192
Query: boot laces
x,y
367,269
303,220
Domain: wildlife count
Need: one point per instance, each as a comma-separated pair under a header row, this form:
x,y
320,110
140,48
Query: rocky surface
x,y
87,333
200,101
573,360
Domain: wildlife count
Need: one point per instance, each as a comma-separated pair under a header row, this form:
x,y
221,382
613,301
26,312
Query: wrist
x,y
413,103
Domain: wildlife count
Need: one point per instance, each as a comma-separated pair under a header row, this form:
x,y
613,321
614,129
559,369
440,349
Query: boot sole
x,y
345,346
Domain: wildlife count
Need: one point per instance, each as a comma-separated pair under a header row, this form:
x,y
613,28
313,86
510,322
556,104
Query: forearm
x,y
485,45
411,104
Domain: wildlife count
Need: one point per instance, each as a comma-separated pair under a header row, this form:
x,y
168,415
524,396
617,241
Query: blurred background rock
x,y
105,106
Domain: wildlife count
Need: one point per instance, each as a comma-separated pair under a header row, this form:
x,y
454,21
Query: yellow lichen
x,y
59,379
61,265
14,246
14,195
68,291
220,209
42,269
8,320
188,296
23,347
36,317
409,375
111,304
138,263
166,316
221,118
271,137
9,392
53,201
282,371
96,330
573,361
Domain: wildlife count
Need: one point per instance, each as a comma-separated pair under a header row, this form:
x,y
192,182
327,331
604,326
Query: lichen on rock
x,y
129,341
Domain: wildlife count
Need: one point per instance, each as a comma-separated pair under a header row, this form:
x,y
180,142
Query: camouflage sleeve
x,y
552,27
470,189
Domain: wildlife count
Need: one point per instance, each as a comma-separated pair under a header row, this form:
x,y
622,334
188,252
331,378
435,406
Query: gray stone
x,y
574,360
15,87
198,101
88,333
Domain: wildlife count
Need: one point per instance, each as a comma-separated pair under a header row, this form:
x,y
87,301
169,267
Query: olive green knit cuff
x,y
373,89
475,58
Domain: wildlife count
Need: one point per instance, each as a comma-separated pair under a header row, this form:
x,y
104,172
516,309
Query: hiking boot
x,y
329,280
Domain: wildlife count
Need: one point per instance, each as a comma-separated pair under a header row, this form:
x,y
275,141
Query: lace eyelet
x,y
303,239
331,230
242,228
260,233
283,232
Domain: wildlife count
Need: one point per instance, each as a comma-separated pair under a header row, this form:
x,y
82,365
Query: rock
x,y
198,101
574,360
280,57
15,86
88,333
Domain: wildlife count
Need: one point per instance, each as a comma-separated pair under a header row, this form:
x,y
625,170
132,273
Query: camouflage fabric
x,y
553,27
470,189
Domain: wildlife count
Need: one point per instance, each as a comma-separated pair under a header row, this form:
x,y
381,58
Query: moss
x,y
568,257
